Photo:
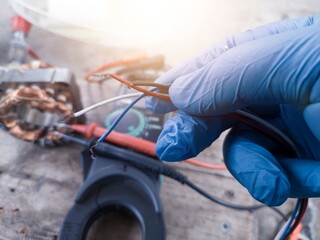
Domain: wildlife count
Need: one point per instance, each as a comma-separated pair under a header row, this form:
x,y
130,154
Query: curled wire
x,y
129,84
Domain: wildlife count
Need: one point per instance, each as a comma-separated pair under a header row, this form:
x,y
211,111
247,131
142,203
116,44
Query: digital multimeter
x,y
138,122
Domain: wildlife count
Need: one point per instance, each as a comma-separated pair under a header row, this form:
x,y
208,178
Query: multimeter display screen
x,y
138,122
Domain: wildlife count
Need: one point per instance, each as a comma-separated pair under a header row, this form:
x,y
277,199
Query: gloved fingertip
x,y
267,187
174,143
256,168
167,148
185,136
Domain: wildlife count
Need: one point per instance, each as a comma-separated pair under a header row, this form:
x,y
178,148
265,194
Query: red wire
x,y
296,232
198,163
33,54
303,211
297,221
162,96
166,97
137,144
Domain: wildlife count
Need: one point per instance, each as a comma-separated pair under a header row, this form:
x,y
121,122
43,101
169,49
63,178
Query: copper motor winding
x,y
33,102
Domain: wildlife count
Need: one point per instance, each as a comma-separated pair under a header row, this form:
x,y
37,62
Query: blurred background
x,y
178,29
37,185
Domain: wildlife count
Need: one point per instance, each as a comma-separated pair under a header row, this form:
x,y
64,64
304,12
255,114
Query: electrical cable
x,y
291,220
269,127
71,139
201,164
115,123
161,87
191,161
33,53
220,201
287,226
228,204
161,96
99,104
296,234
241,116
278,231
161,168
136,144
118,119
298,219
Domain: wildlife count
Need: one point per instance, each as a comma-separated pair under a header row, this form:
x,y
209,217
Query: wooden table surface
x,y
37,186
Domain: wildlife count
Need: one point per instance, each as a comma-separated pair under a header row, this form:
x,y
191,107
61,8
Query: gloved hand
x,y
272,71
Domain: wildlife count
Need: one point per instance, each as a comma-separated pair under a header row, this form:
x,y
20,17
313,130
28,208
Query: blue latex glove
x,y
272,71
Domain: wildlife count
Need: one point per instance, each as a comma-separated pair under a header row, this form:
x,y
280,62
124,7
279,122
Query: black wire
x,y
281,223
228,204
144,163
172,173
68,138
231,205
161,168
220,201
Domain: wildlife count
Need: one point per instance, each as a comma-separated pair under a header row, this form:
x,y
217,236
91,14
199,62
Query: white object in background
x,y
79,12
116,23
